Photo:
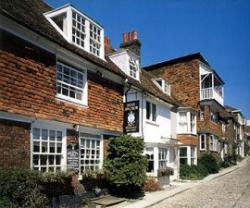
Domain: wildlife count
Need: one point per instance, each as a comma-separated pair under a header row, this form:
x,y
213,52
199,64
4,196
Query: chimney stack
x,y
107,45
131,42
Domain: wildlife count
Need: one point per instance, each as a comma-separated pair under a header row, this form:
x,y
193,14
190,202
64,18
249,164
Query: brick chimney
x,y
108,47
131,42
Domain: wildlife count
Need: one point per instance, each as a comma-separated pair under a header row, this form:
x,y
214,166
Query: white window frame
x,y
79,28
85,163
149,152
183,157
164,86
205,145
50,128
133,68
152,116
84,35
181,130
211,142
192,123
184,124
163,158
83,72
192,157
95,39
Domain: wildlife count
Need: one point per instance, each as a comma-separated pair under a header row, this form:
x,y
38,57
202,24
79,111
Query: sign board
x,y
131,116
73,160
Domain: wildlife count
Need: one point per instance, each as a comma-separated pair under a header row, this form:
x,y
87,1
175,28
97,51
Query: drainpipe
x,y
142,116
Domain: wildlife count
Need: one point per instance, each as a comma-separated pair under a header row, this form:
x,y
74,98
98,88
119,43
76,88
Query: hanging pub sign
x,y
131,116
72,159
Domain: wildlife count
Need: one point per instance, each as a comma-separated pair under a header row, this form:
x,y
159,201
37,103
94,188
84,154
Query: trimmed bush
x,y
125,165
210,163
19,188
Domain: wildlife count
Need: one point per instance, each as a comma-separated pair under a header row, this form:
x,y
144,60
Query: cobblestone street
x,y
230,191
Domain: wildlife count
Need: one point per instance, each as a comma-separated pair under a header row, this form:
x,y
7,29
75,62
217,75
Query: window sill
x,y
71,101
152,123
189,133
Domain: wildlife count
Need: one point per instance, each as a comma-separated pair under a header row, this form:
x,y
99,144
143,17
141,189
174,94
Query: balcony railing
x,y
211,93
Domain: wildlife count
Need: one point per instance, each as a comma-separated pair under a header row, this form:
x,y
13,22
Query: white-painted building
x,y
157,116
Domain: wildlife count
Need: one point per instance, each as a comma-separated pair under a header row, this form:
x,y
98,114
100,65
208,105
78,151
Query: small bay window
x,y
163,153
186,122
202,142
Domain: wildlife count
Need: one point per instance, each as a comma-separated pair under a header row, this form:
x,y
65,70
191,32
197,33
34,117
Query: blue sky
x,y
220,30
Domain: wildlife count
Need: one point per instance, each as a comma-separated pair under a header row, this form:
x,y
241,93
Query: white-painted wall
x,y
164,125
158,132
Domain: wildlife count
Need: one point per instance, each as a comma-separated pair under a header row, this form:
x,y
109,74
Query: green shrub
x,y
202,170
19,188
210,163
125,165
192,172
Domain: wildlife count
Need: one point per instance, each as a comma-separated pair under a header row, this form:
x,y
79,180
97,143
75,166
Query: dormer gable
x,y
127,58
78,29
128,62
163,85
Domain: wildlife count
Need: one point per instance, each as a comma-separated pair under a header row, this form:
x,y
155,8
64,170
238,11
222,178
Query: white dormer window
x,y
95,40
78,29
164,86
132,68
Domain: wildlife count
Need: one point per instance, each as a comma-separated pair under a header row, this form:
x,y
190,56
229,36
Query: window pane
x,y
43,159
52,135
183,152
183,160
36,133
59,136
51,159
58,160
148,110
35,159
59,147
44,134
44,146
153,112
52,147
36,146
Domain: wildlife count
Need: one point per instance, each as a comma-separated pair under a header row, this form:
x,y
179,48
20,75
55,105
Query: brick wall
x,y
185,86
184,81
207,125
188,139
28,87
14,144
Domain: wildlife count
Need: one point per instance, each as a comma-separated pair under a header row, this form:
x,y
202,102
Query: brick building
x,y
61,93
55,95
197,85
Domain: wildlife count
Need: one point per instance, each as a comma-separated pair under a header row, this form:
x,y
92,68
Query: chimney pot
x,y
125,37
